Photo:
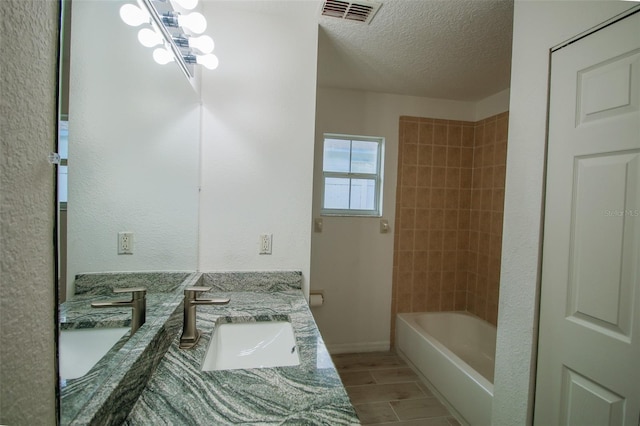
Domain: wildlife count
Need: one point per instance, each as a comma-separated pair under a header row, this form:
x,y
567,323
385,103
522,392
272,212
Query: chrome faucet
x,y
138,305
190,334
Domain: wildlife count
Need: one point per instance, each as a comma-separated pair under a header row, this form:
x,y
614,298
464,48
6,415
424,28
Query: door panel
x,y
602,266
585,402
606,89
589,335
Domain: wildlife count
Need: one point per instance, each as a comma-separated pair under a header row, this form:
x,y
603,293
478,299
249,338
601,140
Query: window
x,y
352,175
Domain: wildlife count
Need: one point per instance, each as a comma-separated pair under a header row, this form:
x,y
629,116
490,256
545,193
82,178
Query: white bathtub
x,y
455,352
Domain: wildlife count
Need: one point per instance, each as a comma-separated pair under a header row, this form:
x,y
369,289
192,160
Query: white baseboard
x,y
344,348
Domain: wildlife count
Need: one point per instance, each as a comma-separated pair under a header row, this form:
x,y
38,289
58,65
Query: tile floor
x,y
385,391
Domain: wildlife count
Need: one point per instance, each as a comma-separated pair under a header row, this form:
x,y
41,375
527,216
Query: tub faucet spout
x,y
138,305
190,333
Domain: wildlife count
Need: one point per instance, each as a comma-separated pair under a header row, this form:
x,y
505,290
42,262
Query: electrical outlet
x,y
265,243
125,242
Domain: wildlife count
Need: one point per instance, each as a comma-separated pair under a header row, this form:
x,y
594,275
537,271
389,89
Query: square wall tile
x,y
449,206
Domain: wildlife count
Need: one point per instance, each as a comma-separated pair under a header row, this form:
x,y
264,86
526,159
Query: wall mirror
x,y
132,162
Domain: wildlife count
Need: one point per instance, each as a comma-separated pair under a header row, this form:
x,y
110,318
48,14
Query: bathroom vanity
x,y
175,390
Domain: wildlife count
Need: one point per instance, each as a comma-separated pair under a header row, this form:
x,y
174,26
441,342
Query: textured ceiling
x,y
449,49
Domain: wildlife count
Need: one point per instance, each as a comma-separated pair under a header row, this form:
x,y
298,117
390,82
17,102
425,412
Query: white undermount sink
x,y
81,349
251,345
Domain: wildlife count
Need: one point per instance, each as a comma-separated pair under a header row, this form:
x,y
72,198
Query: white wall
x,y
27,120
538,26
133,155
351,260
492,105
257,135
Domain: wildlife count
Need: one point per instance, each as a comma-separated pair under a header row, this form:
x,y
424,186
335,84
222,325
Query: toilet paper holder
x,y
316,298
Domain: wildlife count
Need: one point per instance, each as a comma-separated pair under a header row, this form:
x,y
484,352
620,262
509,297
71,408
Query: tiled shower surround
x,y
449,208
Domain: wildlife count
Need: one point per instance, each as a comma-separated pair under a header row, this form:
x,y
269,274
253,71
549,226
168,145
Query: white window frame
x,y
377,177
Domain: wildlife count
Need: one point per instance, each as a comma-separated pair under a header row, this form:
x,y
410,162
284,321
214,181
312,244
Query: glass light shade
x,y
133,15
162,56
194,22
186,4
209,61
203,43
149,38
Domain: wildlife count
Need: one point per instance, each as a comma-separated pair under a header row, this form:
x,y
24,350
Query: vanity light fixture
x,y
149,38
203,43
176,35
209,61
193,22
133,15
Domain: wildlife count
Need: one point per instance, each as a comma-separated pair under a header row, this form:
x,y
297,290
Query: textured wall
x,y
28,55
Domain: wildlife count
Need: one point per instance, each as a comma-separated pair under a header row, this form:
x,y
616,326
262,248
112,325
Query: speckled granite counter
x,y
179,393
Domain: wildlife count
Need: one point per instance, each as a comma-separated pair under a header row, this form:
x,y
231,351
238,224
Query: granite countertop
x,y
178,392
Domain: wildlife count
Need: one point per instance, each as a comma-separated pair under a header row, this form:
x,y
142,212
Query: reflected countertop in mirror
x,y
94,394
78,313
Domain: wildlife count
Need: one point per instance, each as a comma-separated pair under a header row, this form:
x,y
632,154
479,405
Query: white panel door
x,y
589,340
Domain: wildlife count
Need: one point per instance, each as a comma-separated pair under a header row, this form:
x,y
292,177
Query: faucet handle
x,y
191,293
197,289
136,292
138,304
191,296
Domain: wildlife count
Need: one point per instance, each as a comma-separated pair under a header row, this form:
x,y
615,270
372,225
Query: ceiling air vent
x,y
360,11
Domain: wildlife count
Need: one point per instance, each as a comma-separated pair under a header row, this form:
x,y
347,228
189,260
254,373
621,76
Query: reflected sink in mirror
x,y
251,345
81,349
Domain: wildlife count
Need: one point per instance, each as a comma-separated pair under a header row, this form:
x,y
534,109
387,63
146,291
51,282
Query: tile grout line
x,y
376,382
394,412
